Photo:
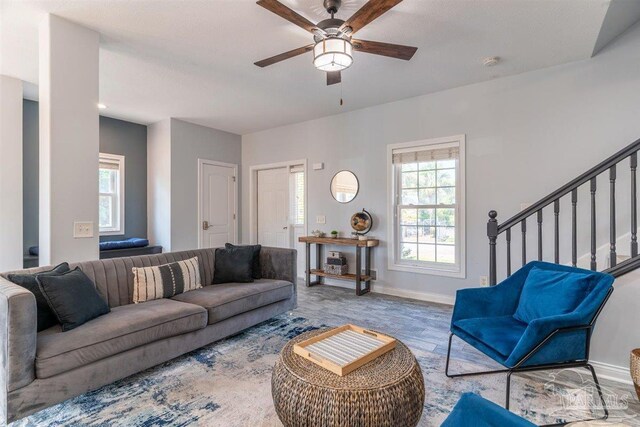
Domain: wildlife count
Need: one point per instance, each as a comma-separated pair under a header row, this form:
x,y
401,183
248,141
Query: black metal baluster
x,y
593,224
508,252
556,235
634,206
523,225
574,227
492,233
540,235
613,258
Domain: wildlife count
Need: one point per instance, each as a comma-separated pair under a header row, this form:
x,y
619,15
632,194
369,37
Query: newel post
x,y
492,233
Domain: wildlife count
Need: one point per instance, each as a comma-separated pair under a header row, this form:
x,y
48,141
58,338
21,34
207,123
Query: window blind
x,y
109,165
424,154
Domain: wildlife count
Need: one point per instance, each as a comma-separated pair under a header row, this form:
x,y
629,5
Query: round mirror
x,y
344,186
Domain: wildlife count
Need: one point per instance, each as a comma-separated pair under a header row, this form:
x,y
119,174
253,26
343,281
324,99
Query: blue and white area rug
x,y
228,384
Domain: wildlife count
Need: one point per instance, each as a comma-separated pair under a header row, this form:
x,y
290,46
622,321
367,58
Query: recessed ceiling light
x,y
101,106
490,61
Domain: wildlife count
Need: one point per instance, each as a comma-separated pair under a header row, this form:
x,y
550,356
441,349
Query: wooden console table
x,y
319,272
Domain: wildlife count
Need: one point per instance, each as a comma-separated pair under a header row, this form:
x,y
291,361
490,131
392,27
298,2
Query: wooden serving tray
x,y
345,348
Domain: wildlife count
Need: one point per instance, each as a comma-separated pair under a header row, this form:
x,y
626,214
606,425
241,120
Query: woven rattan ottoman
x,y
388,391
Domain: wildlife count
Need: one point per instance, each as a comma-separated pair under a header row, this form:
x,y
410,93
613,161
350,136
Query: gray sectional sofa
x,y
41,369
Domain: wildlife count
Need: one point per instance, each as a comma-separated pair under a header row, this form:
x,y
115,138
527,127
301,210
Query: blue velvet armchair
x,y
541,317
475,411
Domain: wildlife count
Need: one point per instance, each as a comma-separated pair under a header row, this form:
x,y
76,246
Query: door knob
x,y
284,228
205,225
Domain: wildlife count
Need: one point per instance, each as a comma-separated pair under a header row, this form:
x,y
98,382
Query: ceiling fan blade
x,y
386,49
283,56
333,77
367,13
283,11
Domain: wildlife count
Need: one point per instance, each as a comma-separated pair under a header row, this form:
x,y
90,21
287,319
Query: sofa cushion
x,y
256,268
122,329
499,333
46,317
73,298
233,265
548,293
165,281
227,300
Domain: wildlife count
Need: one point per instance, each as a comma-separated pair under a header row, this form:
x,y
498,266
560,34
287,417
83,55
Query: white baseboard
x,y
381,289
612,372
422,296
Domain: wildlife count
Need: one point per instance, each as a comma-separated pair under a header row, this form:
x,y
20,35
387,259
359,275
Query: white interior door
x,y
273,208
217,205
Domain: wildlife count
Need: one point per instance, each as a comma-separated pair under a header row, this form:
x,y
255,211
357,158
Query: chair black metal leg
x,y
466,374
595,380
506,400
446,367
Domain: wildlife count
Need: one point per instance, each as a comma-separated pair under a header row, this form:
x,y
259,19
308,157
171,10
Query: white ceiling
x,y
193,60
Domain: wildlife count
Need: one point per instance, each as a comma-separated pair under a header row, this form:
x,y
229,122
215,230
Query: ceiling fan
x,y
333,46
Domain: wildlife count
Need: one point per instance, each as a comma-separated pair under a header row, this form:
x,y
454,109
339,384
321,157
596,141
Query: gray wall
x,y
526,135
116,137
190,142
129,140
30,166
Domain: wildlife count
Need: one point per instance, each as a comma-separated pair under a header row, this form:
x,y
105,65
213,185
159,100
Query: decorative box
x,y
337,261
334,254
336,269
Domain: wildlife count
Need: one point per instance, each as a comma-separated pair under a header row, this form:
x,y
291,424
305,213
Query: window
x,y
111,190
297,195
427,206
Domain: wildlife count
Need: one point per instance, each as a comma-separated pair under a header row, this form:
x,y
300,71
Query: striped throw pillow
x,y
165,281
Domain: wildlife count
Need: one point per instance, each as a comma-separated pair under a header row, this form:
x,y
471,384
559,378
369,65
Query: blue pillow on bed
x,y
550,293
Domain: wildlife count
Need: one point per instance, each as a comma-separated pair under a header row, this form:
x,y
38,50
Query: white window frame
x,y
119,160
457,270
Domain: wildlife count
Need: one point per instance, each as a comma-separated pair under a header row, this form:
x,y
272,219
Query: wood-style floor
x,y
424,327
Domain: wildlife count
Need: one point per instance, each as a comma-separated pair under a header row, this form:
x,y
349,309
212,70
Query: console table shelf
x,y
358,277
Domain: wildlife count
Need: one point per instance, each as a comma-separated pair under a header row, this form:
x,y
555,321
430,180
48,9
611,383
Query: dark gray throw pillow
x,y
45,316
256,268
73,298
233,265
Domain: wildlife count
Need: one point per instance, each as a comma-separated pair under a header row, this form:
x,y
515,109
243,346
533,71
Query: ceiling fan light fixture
x,y
333,54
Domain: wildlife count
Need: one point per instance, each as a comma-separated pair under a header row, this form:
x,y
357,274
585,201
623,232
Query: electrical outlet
x,y
321,219
484,281
83,230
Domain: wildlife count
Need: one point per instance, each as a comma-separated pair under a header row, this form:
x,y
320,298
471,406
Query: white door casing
x,y
273,208
217,204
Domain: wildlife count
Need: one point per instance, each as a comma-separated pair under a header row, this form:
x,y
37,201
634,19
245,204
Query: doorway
x,y
278,208
217,203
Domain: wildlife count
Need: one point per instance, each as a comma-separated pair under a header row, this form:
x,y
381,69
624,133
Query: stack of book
x,y
336,263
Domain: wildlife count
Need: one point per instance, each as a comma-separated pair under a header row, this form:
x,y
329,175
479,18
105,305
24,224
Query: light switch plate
x,y
318,166
82,229
321,219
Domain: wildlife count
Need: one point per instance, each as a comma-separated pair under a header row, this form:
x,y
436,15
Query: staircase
x,y
617,265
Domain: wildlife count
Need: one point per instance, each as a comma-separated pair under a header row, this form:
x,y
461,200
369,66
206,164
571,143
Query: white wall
x,y
190,142
10,173
173,150
69,140
159,184
526,135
